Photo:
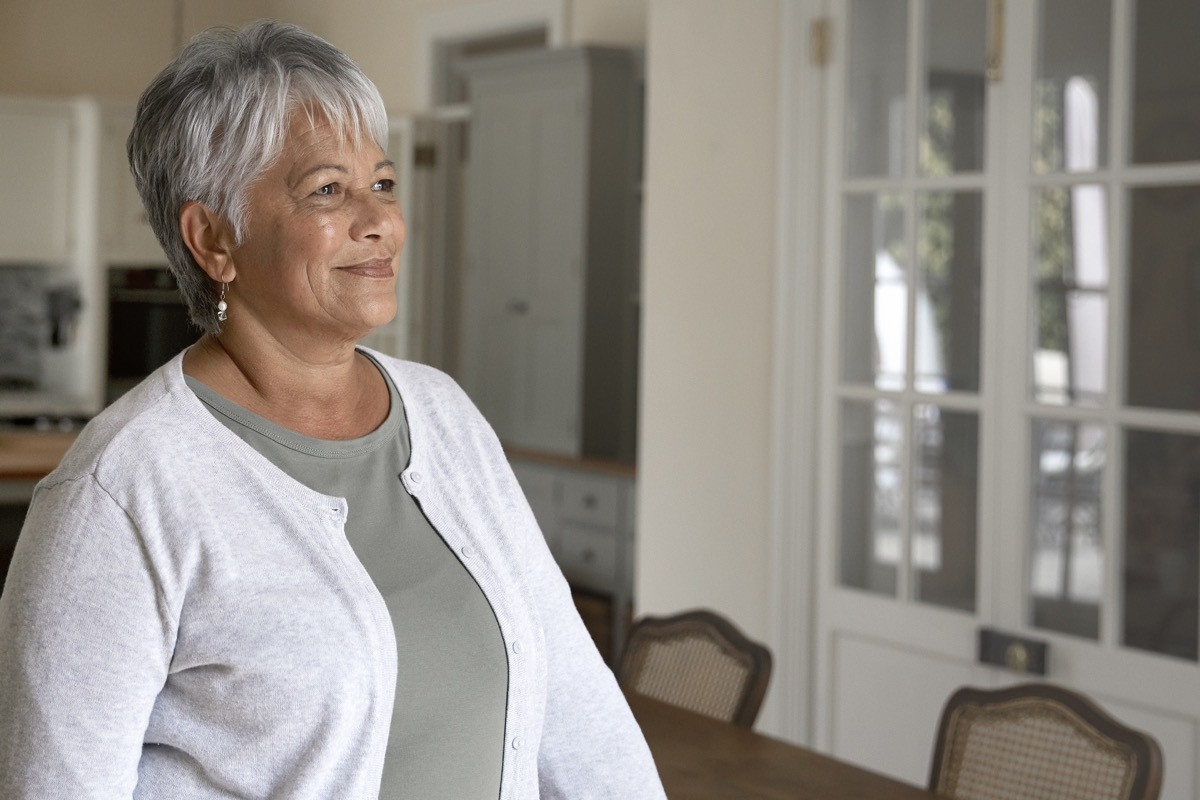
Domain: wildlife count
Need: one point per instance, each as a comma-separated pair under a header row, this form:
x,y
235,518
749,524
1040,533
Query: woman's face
x,y
323,238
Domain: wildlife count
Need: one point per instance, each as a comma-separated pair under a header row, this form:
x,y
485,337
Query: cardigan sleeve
x,y
85,644
592,747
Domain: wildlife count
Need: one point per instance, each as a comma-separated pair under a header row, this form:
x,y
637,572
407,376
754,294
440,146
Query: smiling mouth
x,y
375,268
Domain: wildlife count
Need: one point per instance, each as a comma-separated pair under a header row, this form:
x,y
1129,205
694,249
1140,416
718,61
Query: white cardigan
x,y
182,619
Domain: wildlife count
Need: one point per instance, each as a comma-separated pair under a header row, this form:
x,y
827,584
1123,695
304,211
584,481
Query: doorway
x,y
440,156
1009,433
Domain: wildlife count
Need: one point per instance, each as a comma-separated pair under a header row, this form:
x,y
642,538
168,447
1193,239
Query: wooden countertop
x,y
31,455
617,468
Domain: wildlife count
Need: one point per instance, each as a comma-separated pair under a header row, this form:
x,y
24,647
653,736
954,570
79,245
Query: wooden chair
x,y
1037,740
697,660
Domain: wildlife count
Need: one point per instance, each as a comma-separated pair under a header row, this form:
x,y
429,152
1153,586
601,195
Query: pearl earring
x,y
222,306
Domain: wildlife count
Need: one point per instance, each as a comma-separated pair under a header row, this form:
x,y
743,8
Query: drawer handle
x,y
589,501
589,555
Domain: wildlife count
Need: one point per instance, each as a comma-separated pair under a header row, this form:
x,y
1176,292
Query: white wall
x,y
708,276
379,34
66,47
113,49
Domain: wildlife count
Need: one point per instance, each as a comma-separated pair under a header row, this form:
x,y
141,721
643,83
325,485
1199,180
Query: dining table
x,y
704,758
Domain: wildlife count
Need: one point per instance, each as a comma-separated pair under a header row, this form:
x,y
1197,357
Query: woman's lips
x,y
375,268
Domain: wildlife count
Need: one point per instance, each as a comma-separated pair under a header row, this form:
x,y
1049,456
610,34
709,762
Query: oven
x,y
147,325
14,502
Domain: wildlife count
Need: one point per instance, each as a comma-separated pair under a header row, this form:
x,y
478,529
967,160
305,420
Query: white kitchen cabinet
x,y
550,312
39,168
125,234
48,157
586,511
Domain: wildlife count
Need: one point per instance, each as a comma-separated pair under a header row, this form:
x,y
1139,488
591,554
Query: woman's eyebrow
x,y
387,163
329,167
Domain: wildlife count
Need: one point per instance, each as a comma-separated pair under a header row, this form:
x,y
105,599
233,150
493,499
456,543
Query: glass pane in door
x,y
1071,88
1071,264
952,131
1066,547
875,292
945,504
1163,340
876,92
872,499
1166,118
949,288
1162,542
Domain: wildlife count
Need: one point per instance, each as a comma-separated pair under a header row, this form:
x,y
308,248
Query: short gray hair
x,y
216,117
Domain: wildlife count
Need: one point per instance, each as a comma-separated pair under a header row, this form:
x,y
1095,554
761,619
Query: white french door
x,y
1010,389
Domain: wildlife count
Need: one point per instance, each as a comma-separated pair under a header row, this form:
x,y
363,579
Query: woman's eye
x,y
386,185
326,190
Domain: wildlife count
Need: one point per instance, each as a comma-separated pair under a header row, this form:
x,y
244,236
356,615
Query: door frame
x,y
789,708
477,20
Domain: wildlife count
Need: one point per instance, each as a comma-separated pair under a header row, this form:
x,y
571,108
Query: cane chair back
x,y
1040,741
697,660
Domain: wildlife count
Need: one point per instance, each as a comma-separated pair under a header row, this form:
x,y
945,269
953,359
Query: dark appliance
x,y
14,502
147,325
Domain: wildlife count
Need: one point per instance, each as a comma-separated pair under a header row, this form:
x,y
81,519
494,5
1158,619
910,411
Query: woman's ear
x,y
209,238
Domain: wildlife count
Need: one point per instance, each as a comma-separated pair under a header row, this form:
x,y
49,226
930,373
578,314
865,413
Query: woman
x,y
284,566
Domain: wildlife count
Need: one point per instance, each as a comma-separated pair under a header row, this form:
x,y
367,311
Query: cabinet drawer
x,y
538,486
589,558
590,500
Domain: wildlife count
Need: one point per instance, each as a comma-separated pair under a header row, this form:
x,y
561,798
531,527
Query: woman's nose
x,y
375,217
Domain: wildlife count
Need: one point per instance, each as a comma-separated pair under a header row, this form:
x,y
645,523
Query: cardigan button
x,y
517,742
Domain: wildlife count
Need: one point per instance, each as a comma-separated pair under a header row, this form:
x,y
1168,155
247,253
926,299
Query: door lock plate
x,y
1015,653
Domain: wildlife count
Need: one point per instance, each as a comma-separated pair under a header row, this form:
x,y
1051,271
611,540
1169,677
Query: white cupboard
x,y
38,167
550,311
125,234
49,253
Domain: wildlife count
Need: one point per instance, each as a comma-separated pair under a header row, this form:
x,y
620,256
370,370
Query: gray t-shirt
x,y
447,733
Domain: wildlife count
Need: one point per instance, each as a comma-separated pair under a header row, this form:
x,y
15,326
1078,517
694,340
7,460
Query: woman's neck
x,y
336,393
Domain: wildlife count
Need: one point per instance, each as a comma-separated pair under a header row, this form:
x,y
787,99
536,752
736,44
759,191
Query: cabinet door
x,y
36,162
589,558
524,284
126,236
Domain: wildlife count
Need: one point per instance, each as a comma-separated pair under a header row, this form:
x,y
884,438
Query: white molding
x,y
402,127
796,359
481,18
827,412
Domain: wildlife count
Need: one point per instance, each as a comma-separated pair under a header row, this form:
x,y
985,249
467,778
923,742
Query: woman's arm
x,y
85,643
591,745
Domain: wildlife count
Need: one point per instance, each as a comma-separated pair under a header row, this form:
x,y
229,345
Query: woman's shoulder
x,y
400,367
417,381
434,401
140,428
